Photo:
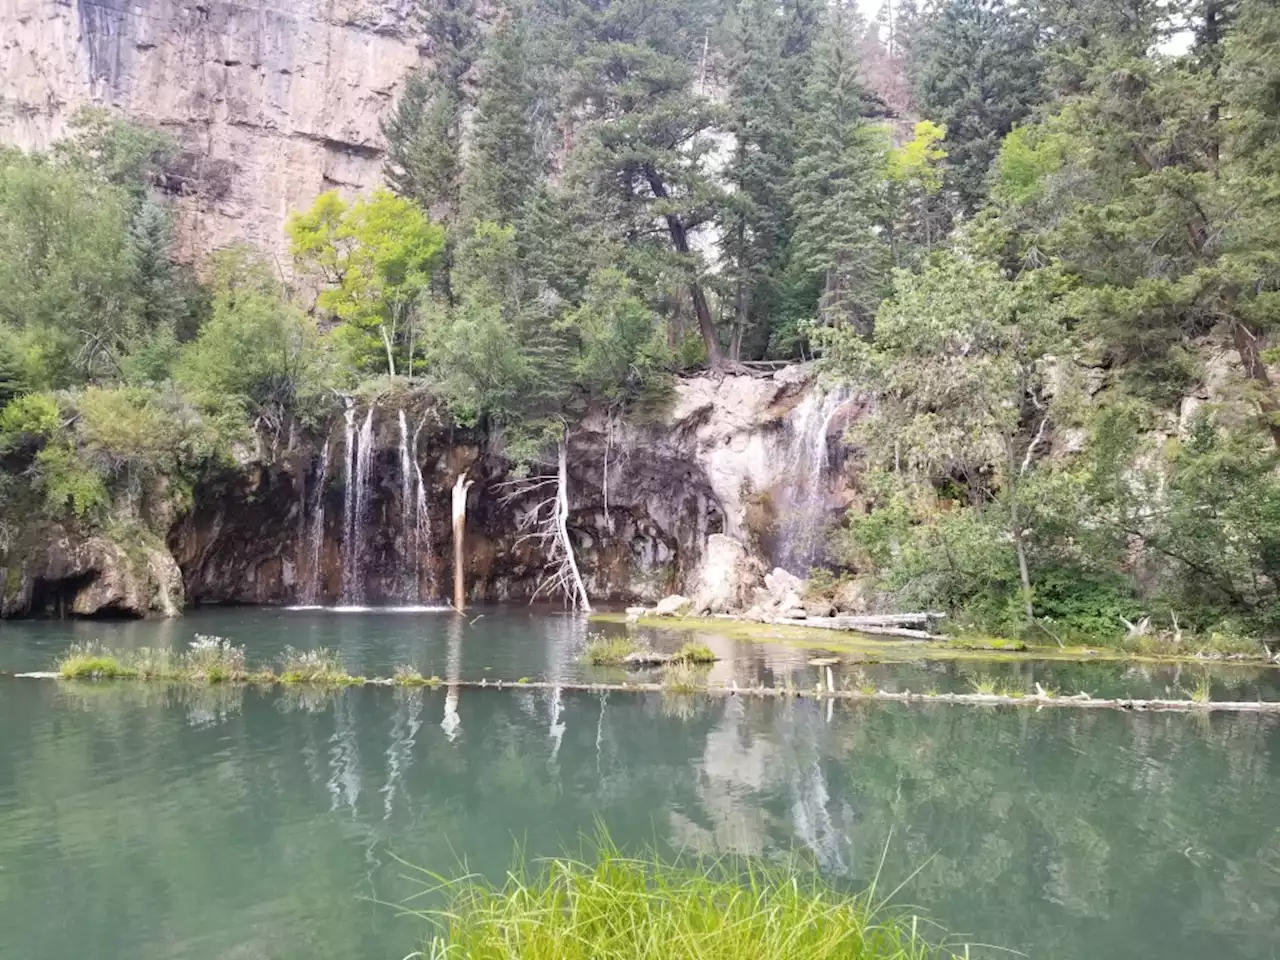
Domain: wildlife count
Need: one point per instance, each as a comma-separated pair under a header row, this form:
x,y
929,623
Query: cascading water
x,y
802,515
408,558
415,520
422,525
356,508
315,532
349,506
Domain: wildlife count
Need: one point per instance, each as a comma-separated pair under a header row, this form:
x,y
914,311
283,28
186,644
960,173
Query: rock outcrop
x,y
271,103
65,574
654,508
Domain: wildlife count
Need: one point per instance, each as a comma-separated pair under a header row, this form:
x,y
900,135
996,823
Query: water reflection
x,y
140,817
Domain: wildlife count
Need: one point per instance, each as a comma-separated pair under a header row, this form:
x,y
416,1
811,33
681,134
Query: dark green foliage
x,y
977,72
838,184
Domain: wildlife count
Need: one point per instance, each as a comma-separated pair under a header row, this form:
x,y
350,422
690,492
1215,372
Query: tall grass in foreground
x,y
625,909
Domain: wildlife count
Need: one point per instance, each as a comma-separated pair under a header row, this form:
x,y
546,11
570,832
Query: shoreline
x,y
884,649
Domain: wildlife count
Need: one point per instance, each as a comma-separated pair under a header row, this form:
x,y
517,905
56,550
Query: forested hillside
x,y
1043,235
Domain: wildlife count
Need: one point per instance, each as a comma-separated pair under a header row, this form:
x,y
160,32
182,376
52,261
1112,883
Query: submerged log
x,y
1037,700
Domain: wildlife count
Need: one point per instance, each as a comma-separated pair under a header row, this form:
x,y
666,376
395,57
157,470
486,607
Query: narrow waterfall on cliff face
x,y
802,510
313,591
359,453
415,520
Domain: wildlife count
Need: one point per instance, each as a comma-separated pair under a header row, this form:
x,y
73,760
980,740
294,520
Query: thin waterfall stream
x,y
803,513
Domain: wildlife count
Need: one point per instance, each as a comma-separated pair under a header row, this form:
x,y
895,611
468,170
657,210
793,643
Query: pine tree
x,y
503,168
161,302
422,162
838,186
977,72
646,150
756,222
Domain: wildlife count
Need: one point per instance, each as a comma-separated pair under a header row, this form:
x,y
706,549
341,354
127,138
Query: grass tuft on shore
x,y
619,908
605,651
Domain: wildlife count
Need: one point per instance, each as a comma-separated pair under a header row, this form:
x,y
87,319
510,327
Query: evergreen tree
x,y
503,168
423,163
646,151
161,301
977,72
756,222
838,184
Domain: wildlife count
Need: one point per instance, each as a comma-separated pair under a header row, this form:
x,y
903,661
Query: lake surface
x,y
141,821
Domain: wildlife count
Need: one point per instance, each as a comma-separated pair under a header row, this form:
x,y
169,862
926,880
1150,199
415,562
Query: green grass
x,y
206,660
92,661
406,676
1202,691
319,666
605,651
989,686
693,652
618,908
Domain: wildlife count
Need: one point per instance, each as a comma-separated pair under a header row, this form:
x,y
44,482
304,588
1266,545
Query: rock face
x,y
68,575
271,103
654,509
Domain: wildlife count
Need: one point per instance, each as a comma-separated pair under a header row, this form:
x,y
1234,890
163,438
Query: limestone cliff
x,y
272,103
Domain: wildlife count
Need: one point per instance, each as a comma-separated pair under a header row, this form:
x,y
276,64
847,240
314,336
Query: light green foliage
x,y
624,908
1028,155
115,151
66,274
320,666
32,418
258,353
376,257
697,653
608,650
917,162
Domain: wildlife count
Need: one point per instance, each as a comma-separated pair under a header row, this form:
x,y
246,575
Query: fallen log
x,y
1037,700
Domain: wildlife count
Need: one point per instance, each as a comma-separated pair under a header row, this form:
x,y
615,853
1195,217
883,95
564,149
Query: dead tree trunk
x,y
460,488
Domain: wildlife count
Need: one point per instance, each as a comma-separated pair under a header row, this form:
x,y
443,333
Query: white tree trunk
x,y
460,488
579,592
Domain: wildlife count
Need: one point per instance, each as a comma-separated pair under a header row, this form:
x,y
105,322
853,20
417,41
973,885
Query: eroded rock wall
x,y
272,103
645,501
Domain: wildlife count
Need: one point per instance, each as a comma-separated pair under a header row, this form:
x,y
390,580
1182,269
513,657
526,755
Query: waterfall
x,y
313,594
408,553
803,511
422,525
360,455
349,506
415,519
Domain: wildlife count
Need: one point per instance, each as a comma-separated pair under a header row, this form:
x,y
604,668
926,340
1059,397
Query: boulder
x,y
791,601
793,613
779,583
636,611
755,614
728,577
672,606
819,608
853,596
